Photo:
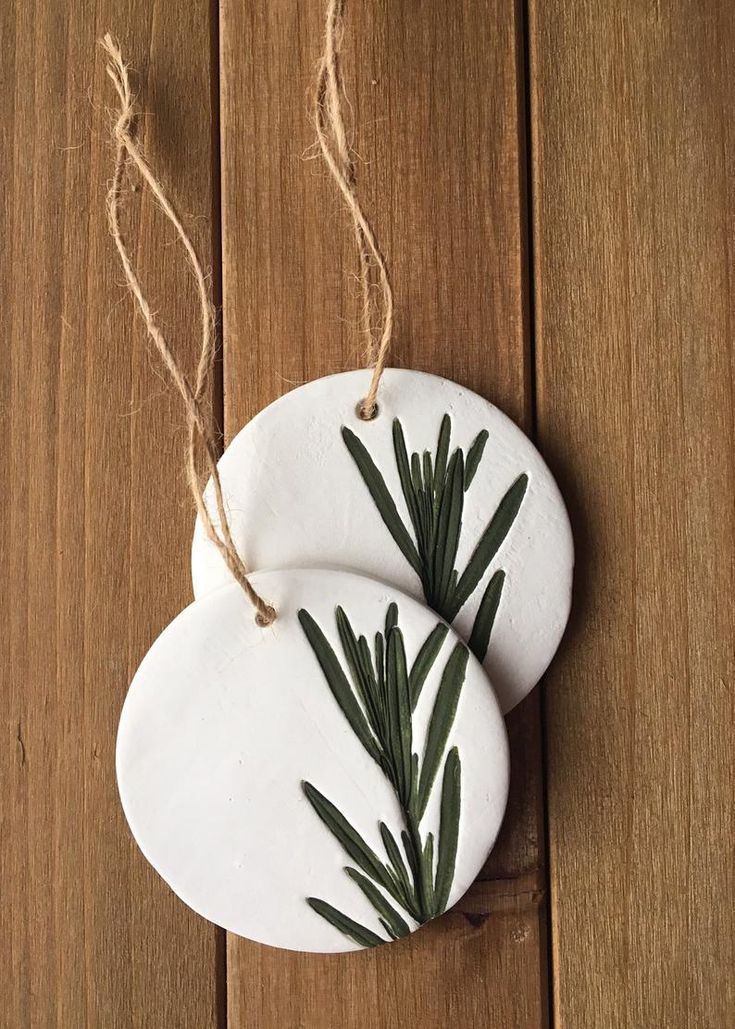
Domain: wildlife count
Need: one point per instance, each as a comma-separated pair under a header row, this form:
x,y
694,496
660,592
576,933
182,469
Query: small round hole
x,y
361,413
264,619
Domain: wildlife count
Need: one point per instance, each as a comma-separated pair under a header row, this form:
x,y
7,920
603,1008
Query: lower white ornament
x,y
328,783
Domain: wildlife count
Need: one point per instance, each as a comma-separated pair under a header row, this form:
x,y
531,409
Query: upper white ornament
x,y
440,495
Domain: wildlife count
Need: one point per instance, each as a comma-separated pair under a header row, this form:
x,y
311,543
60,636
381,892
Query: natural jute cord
x,y
335,149
198,424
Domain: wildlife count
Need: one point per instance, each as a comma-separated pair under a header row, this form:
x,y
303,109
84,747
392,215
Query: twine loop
x,y
373,275
199,425
335,148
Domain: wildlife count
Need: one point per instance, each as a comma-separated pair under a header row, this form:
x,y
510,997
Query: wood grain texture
x,y
634,170
437,108
94,513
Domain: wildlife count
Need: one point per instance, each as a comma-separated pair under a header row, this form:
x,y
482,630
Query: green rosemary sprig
x,y
377,696
433,488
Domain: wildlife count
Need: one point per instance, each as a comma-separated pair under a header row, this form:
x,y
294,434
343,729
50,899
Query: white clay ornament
x,y
328,783
440,495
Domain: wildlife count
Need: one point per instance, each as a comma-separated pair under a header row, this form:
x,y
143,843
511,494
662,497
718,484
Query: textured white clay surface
x,y
224,720
297,500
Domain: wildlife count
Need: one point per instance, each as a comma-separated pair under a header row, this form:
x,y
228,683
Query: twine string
x,y
335,148
199,427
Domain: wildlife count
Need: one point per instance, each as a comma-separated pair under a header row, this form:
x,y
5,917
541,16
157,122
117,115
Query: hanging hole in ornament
x,y
365,415
265,618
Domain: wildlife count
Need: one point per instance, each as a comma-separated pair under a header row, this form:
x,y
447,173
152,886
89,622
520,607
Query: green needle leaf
x,y
388,929
400,700
488,546
474,457
427,874
339,684
358,933
396,922
442,452
411,855
448,829
449,525
422,503
425,659
363,680
416,473
382,498
442,719
413,799
348,837
400,871
485,618
391,618
404,474
380,667
428,474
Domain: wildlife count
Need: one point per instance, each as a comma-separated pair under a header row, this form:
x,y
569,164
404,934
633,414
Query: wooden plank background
x,y
633,142
578,274
95,527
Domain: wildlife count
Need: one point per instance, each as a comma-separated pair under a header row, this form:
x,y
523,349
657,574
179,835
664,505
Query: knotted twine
x,y
332,136
336,151
199,426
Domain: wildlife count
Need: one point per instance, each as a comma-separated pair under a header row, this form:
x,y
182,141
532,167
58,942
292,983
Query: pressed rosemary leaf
x,y
485,618
427,875
347,836
395,920
368,671
442,719
395,723
424,526
345,924
380,668
474,456
449,526
398,676
448,829
397,863
488,546
411,855
428,474
391,618
413,799
364,686
442,451
425,659
429,516
339,684
404,474
382,498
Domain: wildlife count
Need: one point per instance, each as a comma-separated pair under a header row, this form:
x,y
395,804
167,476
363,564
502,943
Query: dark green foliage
x,y
346,925
485,619
488,546
424,661
351,841
433,489
338,683
398,925
383,500
448,828
442,719
378,700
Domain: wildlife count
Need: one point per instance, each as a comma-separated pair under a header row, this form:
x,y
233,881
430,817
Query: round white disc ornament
x,y
324,784
440,495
